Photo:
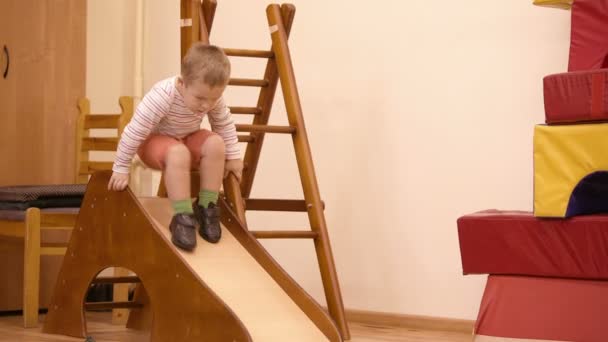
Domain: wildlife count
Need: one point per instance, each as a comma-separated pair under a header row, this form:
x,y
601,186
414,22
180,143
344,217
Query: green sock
x,y
182,206
205,197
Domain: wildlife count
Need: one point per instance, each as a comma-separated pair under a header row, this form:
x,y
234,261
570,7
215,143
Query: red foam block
x,y
544,309
576,96
589,35
517,243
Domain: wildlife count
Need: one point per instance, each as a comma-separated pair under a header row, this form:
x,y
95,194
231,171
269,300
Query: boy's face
x,y
199,96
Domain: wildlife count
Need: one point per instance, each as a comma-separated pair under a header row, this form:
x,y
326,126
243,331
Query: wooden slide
x,y
236,277
230,291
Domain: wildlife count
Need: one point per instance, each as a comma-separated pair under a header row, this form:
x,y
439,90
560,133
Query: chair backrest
x,y
85,143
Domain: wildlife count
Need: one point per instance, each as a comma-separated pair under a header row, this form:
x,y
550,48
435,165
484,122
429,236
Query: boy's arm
x,y
221,123
152,108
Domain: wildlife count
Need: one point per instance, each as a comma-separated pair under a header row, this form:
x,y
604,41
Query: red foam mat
x,y
517,243
576,96
589,35
530,308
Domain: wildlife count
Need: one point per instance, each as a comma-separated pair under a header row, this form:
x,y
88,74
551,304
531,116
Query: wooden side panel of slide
x,y
114,230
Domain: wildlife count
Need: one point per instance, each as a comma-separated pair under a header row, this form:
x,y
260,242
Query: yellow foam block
x,y
565,4
563,156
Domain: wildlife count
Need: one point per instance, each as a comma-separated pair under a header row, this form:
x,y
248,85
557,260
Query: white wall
x,y
110,53
161,40
417,112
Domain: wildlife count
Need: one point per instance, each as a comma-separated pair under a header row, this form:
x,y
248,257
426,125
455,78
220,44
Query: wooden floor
x,y
102,331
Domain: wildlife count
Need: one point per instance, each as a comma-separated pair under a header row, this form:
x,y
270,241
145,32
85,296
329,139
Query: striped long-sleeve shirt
x,y
163,111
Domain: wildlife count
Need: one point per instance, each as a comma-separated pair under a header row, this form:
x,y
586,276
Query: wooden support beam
x,y
117,280
31,268
208,10
111,305
308,177
265,101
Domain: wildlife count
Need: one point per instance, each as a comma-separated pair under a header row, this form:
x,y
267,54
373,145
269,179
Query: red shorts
x,y
153,151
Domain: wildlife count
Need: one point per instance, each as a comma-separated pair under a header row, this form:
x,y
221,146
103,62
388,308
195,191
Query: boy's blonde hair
x,y
207,63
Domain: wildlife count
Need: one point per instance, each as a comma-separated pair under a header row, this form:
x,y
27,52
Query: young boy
x,y
165,133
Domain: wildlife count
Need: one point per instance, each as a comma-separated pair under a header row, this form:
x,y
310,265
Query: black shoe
x,y
183,231
209,220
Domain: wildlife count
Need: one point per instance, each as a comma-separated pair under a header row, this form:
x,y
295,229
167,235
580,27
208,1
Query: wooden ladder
x,y
196,22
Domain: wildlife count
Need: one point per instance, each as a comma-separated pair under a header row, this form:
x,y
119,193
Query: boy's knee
x,y
213,145
178,154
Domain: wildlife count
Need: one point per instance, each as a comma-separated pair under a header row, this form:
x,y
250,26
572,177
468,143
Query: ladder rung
x,y
246,138
112,305
284,234
245,110
117,280
249,53
277,205
265,129
247,82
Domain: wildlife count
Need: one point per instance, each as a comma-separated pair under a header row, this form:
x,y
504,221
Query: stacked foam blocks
x,y
548,269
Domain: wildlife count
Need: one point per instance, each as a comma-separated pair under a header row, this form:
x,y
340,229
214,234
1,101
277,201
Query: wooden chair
x,y
29,224
85,143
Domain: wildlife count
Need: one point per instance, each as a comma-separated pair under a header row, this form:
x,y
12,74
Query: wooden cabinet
x,y
45,40
46,44
11,271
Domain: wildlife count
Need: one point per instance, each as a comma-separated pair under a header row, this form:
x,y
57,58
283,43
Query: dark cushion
x,y
41,196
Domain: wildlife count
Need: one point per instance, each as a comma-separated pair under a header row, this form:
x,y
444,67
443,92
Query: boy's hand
x,y
235,166
118,181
